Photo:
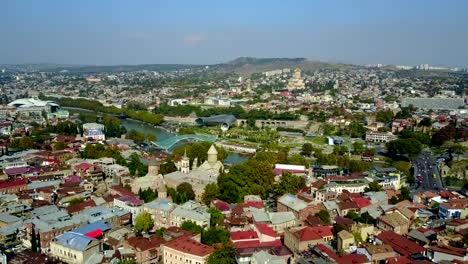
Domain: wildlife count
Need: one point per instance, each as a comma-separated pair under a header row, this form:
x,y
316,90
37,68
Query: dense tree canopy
x,y
215,235
192,227
251,177
373,187
223,255
409,146
211,193
384,116
307,149
288,183
143,223
147,195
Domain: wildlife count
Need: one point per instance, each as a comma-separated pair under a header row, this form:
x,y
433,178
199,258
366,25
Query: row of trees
x,y
142,115
139,137
237,111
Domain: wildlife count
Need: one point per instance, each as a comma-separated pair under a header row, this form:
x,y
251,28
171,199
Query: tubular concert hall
x,y
225,121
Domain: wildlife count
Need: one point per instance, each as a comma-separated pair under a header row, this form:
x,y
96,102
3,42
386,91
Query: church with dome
x,y
198,177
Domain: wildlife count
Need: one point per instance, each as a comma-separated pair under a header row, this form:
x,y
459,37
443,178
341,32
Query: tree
x,y
384,116
307,149
147,195
39,242
458,149
223,255
409,146
138,137
60,145
297,160
215,216
143,223
167,167
211,193
405,194
192,227
289,183
76,201
33,240
160,232
324,216
337,228
357,130
358,147
244,179
373,187
215,235
353,216
185,189
340,150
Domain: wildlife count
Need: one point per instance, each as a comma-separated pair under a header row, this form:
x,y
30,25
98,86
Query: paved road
x,y
425,166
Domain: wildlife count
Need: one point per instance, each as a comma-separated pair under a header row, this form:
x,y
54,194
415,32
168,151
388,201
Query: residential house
x,y
190,211
184,250
300,208
344,240
442,253
377,254
300,238
147,249
73,248
399,243
455,208
160,210
129,203
395,221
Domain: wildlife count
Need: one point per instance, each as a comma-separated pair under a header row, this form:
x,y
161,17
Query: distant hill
x,y
249,65
48,67
242,65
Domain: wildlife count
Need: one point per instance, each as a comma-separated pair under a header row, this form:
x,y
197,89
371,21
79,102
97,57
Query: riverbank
x,y
161,134
77,110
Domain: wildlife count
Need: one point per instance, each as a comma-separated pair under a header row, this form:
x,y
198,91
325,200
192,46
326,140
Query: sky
x,y
104,32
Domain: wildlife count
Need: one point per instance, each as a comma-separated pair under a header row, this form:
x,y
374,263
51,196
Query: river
x,y
161,134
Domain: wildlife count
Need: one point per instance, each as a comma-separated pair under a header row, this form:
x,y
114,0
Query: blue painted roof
x,y
91,227
73,240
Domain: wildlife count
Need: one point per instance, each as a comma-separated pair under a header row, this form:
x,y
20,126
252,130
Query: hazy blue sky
x,y
197,31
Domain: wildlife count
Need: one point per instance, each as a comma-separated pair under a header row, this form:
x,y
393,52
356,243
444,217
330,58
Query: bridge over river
x,y
168,143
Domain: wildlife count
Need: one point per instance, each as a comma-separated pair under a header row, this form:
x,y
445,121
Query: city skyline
x,y
176,32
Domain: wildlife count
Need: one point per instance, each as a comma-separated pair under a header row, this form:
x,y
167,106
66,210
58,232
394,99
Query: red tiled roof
x,y
190,246
131,199
143,243
400,244
80,207
9,184
83,166
362,202
121,190
323,231
221,205
255,204
307,234
399,260
242,235
353,259
460,252
266,230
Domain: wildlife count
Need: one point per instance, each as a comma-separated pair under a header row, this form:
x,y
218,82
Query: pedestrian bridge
x,y
168,143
